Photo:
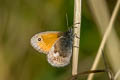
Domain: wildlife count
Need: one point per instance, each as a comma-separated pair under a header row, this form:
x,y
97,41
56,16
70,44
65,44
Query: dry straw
x,y
107,32
117,75
77,19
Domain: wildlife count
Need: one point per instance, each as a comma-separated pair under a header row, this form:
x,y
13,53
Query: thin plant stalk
x,y
77,19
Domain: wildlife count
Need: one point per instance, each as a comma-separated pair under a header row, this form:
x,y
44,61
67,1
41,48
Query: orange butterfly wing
x,y
47,41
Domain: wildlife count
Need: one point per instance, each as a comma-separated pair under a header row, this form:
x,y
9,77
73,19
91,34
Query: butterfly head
x,y
69,32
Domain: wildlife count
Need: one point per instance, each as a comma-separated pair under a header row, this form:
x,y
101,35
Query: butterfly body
x,y
57,46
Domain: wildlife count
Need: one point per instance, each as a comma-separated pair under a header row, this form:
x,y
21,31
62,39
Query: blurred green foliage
x,y
21,19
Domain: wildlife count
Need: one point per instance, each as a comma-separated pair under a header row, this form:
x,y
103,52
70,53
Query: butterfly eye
x,y
39,39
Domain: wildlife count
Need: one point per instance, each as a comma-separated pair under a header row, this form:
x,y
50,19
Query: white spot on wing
x,y
56,60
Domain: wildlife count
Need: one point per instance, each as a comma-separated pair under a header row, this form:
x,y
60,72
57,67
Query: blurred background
x,y
21,19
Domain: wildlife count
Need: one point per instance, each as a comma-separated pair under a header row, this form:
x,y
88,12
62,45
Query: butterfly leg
x,y
76,46
75,35
75,24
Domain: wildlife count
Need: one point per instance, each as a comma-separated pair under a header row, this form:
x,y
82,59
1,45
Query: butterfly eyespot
x,y
39,39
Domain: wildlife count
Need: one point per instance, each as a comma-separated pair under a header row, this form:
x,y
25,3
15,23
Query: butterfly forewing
x,y
46,42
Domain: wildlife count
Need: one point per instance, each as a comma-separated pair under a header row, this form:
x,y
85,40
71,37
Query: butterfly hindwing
x,y
61,52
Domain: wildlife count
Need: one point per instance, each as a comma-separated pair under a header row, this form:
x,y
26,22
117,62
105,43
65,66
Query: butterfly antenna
x,y
67,20
69,28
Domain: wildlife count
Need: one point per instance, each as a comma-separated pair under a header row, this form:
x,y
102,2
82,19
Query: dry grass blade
x,y
117,75
107,68
107,32
85,73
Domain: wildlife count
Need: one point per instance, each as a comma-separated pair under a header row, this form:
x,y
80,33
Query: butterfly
x,y
56,45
